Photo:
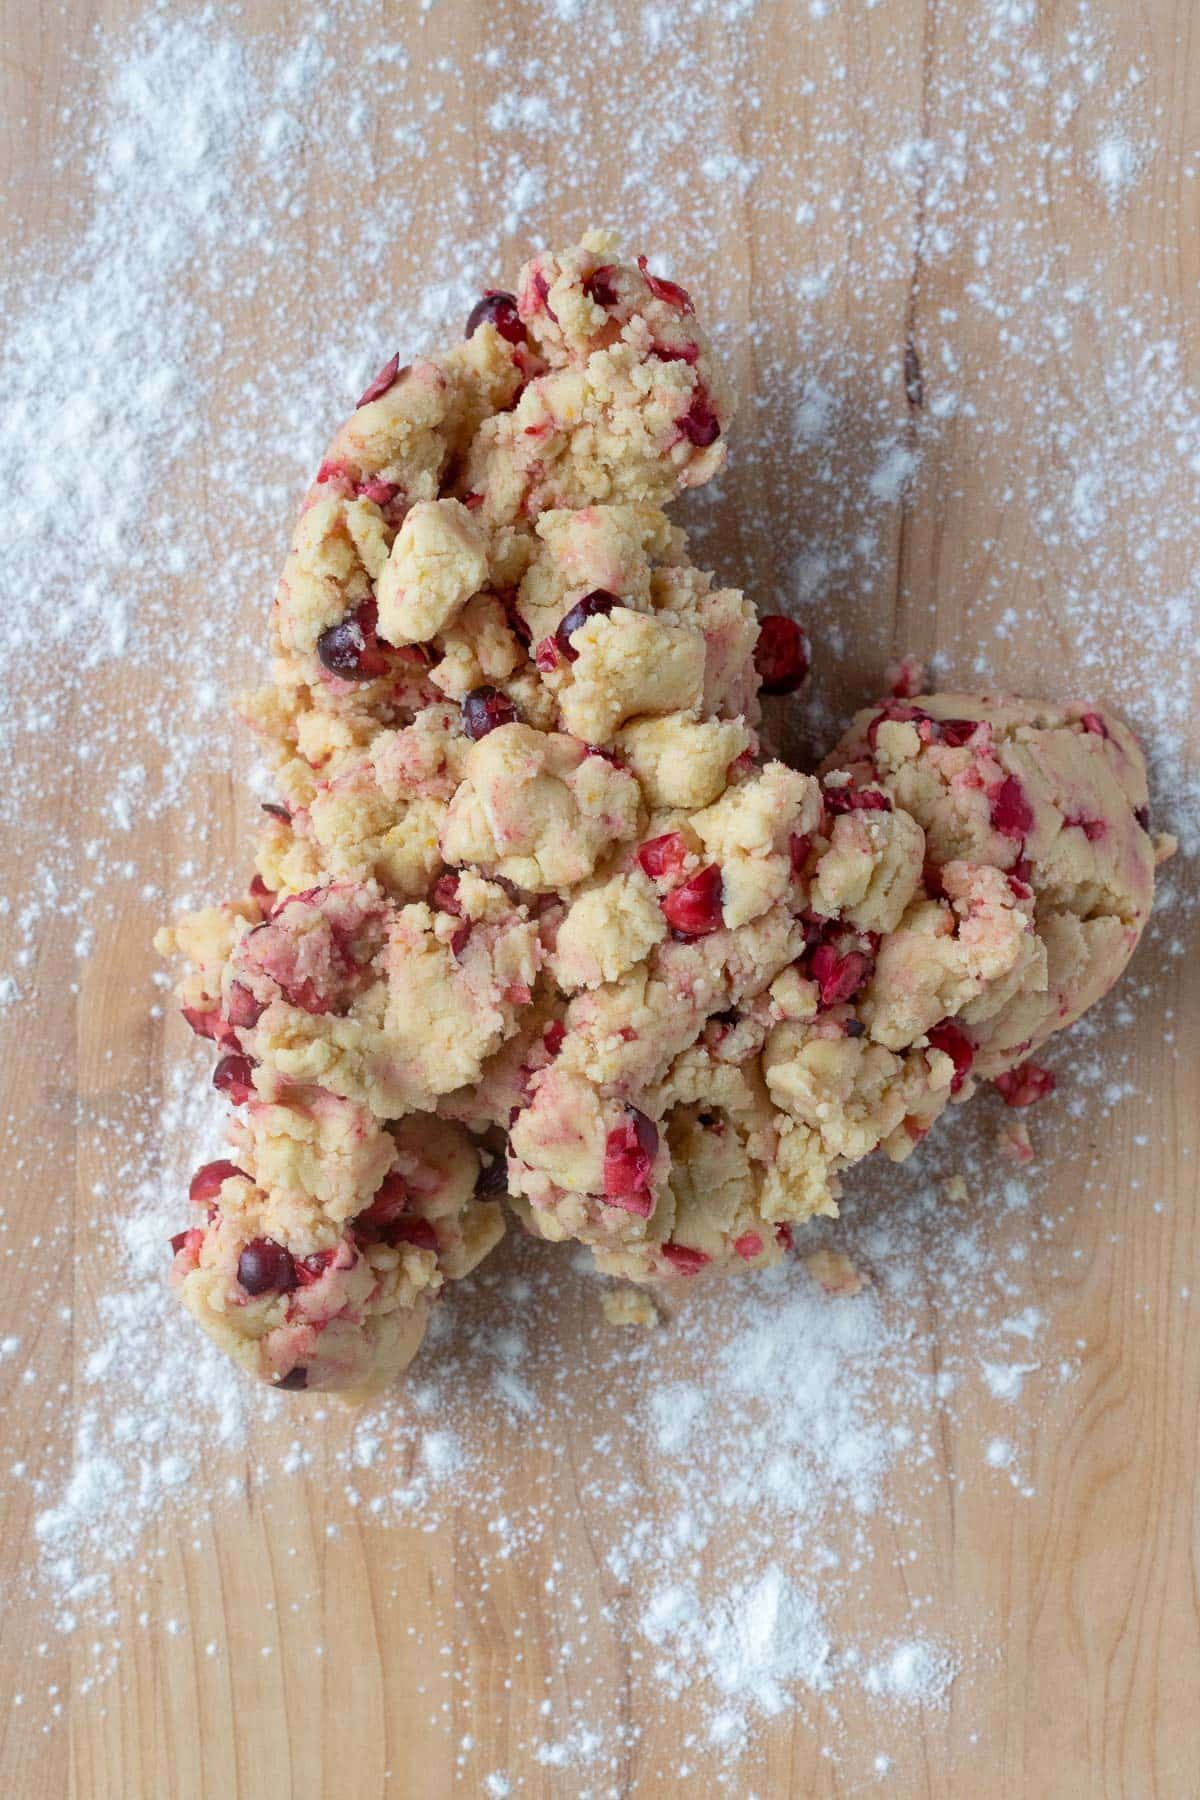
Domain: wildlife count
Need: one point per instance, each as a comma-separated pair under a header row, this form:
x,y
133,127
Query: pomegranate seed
x,y
598,601
670,291
187,1240
849,799
748,1246
311,1268
687,1261
598,286
798,849
781,654
629,1153
265,1267
1012,815
415,1231
349,649
276,811
699,423
897,712
1024,1084
232,1076
695,908
839,976
206,1183
554,1037
484,709
385,379
499,309
243,1010
957,1046
294,1381
664,855
1094,723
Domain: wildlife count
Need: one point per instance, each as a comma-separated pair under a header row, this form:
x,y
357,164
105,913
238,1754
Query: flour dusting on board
x,y
164,374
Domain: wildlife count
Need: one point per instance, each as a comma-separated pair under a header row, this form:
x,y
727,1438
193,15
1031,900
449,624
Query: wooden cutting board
x,y
1095,1687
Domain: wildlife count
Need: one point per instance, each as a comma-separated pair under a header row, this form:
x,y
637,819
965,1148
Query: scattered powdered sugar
x,y
758,1480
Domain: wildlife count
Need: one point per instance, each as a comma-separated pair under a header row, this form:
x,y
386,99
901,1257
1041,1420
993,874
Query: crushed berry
x,y
783,1236
265,1267
461,938
955,1044
629,1153
694,909
295,1381
1092,722
781,654
1092,829
598,601
349,649
233,1076
685,353
686,1260
699,423
311,1268
187,1240
445,894
599,286
484,709
670,291
1024,1084
1011,813
748,1246
208,1024
500,310
206,1183
895,712
391,1199
554,1037
956,732
277,811
798,849
546,656
415,1231
839,974
242,1009
850,799
386,378
259,890
662,856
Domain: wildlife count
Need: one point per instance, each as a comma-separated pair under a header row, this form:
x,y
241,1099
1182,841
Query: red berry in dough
x,y
781,654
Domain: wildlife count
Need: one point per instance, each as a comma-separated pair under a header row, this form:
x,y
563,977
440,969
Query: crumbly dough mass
x,y
530,913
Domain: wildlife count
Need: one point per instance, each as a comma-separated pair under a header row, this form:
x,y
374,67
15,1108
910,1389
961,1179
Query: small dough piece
x,y
606,932
681,761
748,833
627,664
438,561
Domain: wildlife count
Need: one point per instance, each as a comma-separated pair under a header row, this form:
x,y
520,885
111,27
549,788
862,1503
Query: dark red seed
x,y
670,291
599,601
1024,1084
1011,813
664,855
699,423
694,909
415,1231
781,654
242,1009
391,1199
848,799
686,1260
295,1380
385,379
629,1153
233,1076
499,309
783,1236
483,709
276,811
206,1183
460,939
599,285
265,1267
957,1046
839,975
554,1037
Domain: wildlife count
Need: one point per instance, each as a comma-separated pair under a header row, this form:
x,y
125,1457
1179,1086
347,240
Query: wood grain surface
x,y
1092,1586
